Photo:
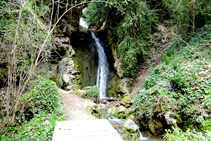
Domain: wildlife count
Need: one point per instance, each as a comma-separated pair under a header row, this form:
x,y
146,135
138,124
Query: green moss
x,y
114,89
77,81
85,65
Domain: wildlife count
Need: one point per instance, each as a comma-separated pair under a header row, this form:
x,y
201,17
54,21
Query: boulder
x,y
65,73
156,127
130,126
121,109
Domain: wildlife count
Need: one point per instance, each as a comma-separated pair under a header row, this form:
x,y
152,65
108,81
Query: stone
x,y
121,109
65,73
131,117
172,118
83,29
204,73
117,66
65,40
102,106
156,127
62,44
130,126
124,85
112,110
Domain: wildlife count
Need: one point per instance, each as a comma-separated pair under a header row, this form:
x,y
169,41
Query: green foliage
x,y
94,12
41,127
190,135
38,110
44,97
188,14
92,93
134,34
180,84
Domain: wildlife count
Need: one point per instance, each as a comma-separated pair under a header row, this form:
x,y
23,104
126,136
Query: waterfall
x,y
82,22
102,71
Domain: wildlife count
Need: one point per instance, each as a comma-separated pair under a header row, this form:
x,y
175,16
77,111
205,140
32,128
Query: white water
x,y
102,71
82,22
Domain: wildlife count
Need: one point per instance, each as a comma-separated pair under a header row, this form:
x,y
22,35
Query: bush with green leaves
x,y
188,15
38,110
92,93
41,127
44,97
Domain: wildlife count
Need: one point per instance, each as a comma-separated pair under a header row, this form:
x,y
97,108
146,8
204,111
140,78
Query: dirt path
x,y
75,106
144,70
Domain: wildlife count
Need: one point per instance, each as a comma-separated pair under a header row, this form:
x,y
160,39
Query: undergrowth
x,y
92,93
38,111
181,84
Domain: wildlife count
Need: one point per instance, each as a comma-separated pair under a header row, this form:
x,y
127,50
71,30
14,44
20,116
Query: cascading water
x,y
102,71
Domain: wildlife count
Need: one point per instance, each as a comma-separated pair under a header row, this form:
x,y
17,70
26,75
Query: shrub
x,y
44,97
92,93
176,134
41,127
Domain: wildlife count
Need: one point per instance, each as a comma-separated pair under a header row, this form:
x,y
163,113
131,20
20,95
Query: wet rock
x,y
130,126
83,29
156,127
101,107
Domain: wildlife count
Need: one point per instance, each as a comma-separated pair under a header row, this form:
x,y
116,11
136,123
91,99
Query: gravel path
x,y
75,106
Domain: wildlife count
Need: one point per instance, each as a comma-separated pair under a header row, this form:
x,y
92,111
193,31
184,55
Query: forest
x,y
149,59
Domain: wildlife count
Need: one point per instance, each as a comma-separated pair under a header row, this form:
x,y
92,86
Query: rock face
x,y
86,57
61,46
66,73
117,87
156,127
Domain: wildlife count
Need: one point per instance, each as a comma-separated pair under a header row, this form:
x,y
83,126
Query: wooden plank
x,y
93,138
82,123
87,140
90,130
86,134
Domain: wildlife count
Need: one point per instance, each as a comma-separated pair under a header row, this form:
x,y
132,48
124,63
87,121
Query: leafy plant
x,y
44,97
176,134
92,93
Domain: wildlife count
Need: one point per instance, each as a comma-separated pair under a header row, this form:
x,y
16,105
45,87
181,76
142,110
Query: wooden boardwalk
x,y
85,130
